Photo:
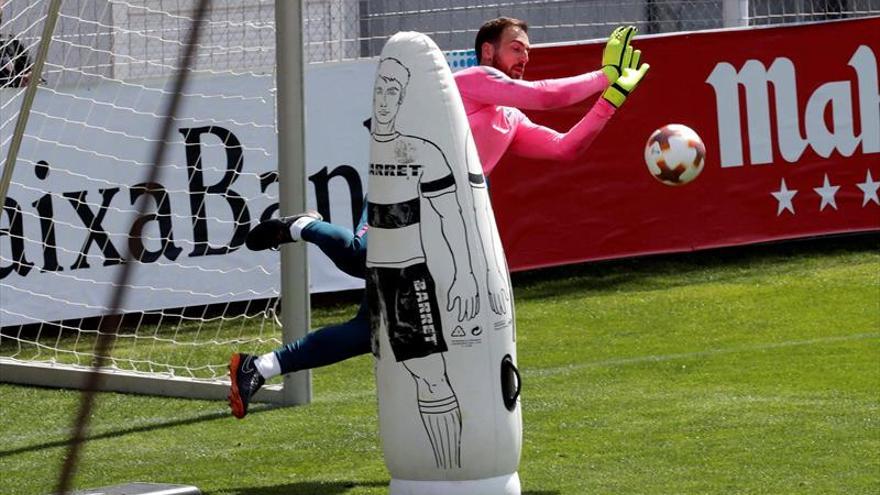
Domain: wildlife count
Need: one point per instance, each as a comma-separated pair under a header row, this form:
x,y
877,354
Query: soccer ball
x,y
675,154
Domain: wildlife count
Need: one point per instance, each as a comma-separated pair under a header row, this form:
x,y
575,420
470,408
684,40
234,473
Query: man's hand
x,y
498,296
630,77
614,58
463,300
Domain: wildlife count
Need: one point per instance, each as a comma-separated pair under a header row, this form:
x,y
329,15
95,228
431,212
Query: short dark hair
x,y
491,32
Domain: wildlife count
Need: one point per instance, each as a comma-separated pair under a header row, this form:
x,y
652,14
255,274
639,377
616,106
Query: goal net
x,y
197,294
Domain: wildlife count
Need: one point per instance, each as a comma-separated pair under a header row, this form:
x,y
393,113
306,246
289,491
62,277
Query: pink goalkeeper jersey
x,y
492,101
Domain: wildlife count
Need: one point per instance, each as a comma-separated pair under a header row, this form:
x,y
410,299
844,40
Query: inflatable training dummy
x,y
444,332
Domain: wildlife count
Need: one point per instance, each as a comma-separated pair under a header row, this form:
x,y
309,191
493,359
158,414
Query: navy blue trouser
x,y
334,343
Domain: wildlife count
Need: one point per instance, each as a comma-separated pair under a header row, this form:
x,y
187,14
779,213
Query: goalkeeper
x,y
493,94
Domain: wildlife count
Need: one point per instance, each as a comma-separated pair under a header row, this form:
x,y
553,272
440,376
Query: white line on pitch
x,y
689,355
344,396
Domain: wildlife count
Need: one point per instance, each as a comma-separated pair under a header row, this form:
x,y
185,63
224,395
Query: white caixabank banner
x,y
79,177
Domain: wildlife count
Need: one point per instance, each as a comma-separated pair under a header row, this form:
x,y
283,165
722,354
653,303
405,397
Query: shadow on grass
x,y
309,488
333,488
255,409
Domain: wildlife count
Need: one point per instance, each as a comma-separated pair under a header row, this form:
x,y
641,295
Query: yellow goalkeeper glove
x,y
614,57
630,77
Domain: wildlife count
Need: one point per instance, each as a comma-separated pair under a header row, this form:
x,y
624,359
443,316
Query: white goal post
x,y
198,295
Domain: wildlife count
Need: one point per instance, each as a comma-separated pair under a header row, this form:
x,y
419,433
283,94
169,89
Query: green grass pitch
x,y
750,370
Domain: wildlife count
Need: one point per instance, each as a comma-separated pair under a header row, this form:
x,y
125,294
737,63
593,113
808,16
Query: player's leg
x,y
270,234
346,249
322,347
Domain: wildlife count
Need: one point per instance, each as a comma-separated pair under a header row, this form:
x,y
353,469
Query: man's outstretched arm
x,y
535,141
490,86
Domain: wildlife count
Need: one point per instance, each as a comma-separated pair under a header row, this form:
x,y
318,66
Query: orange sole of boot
x,y
234,397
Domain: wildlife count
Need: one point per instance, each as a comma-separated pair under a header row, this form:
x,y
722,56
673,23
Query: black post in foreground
x,y
110,323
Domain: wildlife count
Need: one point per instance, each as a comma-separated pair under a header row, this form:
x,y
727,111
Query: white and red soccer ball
x,y
675,154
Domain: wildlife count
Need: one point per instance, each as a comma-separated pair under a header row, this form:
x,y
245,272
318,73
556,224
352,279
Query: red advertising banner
x,y
790,117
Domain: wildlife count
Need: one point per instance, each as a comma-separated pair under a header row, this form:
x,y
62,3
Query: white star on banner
x,y
784,196
869,188
827,192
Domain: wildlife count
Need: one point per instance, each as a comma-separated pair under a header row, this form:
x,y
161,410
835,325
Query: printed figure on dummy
x,y
402,293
